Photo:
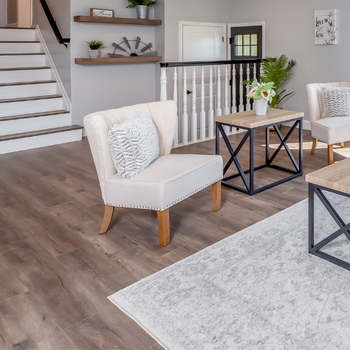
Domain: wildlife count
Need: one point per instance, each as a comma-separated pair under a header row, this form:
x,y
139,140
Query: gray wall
x,y
2,13
289,30
103,87
61,56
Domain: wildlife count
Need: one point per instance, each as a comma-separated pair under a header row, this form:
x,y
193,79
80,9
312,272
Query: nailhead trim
x,y
159,209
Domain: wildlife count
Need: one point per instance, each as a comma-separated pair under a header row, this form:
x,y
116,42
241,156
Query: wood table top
x,y
335,177
249,120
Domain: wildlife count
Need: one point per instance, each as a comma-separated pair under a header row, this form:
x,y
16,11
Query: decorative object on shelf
x,y
137,51
101,13
325,22
261,93
95,46
277,70
142,7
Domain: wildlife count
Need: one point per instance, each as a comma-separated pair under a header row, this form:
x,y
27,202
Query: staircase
x,y
33,112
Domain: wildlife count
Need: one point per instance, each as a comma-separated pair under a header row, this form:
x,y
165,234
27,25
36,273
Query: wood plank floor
x,y
56,271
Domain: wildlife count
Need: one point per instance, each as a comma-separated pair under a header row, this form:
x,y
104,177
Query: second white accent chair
x,y
329,130
168,180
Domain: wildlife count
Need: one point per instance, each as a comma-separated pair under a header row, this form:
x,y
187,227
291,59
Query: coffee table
x,y
251,122
336,179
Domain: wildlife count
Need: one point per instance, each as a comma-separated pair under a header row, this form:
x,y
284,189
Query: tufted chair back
x,y
97,125
314,97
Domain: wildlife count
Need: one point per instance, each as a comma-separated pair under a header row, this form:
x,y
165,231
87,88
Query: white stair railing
x,y
217,95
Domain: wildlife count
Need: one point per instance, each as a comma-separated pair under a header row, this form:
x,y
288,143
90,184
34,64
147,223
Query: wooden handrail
x,y
53,24
205,63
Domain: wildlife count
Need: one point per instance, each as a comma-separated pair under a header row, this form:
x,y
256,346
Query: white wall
x,y
61,56
103,87
2,13
289,30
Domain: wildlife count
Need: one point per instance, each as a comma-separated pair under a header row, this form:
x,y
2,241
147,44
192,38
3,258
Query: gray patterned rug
x,y
258,289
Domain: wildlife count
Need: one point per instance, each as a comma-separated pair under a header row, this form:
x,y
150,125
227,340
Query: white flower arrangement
x,y
260,91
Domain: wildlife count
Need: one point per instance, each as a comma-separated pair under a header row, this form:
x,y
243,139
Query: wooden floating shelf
x,y
118,60
117,20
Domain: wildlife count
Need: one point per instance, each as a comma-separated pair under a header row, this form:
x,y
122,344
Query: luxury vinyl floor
x,y
56,271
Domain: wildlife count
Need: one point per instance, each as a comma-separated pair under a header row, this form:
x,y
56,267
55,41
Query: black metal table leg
x,y
267,154
217,139
251,162
311,217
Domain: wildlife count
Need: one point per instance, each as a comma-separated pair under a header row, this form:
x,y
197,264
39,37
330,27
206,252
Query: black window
x,y
246,42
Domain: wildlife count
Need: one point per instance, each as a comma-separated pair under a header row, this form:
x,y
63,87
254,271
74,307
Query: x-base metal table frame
x,y
335,179
251,122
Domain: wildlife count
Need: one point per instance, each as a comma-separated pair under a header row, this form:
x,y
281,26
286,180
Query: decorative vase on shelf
x,y
142,11
260,106
94,53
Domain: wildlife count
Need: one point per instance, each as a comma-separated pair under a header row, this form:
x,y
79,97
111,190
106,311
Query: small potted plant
x,y
142,7
95,46
262,93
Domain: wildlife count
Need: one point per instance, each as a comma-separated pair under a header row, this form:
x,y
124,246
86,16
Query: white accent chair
x,y
329,130
167,181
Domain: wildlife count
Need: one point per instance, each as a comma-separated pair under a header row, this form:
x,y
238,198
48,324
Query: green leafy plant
x,y
134,3
95,45
277,70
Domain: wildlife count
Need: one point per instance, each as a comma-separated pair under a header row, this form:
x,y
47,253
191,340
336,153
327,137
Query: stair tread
x,y
33,115
23,68
40,132
20,42
33,98
29,83
23,54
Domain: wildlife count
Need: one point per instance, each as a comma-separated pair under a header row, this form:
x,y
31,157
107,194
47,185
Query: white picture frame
x,y
94,12
325,27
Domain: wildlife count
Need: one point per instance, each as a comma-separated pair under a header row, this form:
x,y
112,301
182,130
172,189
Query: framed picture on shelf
x,y
101,12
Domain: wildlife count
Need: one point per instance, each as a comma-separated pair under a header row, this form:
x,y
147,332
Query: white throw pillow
x,y
336,102
134,145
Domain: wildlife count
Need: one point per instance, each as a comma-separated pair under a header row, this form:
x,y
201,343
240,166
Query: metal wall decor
x,y
139,48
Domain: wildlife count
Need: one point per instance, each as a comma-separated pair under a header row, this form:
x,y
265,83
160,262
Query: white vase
x,y
260,106
94,53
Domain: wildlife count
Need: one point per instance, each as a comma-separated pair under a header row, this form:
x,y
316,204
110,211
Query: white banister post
x,y
254,73
202,114
248,78
163,85
226,106
194,107
211,106
185,115
233,89
176,139
241,106
218,93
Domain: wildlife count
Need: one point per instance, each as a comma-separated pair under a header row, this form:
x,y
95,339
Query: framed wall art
x,y
325,24
101,13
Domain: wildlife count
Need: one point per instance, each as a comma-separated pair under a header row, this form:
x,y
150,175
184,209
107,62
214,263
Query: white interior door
x,y
201,42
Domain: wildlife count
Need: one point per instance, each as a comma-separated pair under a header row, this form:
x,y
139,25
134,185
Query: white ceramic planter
x,y
94,53
260,106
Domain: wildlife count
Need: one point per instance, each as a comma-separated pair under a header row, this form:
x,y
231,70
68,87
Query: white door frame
x,y
202,24
246,24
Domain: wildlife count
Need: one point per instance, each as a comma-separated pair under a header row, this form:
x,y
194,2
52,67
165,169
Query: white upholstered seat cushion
x,y
331,130
168,180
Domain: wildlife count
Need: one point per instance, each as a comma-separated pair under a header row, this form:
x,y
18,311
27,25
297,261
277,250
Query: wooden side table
x,y
335,179
251,122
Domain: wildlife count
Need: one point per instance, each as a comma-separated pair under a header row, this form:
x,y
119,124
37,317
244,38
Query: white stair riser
x,y
27,107
17,35
19,76
20,47
22,61
9,127
18,91
39,141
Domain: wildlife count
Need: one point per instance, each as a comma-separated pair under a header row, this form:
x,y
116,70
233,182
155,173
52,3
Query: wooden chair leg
x,y
106,219
216,196
330,155
342,144
314,144
164,227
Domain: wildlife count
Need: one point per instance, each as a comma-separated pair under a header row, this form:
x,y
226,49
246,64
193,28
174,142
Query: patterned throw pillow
x,y
134,145
336,102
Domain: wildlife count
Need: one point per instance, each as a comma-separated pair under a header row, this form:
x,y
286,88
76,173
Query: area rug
x,y
258,289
